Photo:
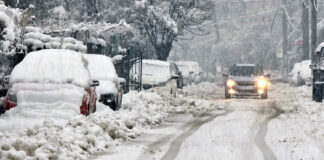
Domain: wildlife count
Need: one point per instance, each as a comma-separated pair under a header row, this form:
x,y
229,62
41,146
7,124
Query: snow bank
x,y
100,131
303,69
52,66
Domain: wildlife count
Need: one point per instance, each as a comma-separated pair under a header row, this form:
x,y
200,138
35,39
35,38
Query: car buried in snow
x,y
157,73
191,71
246,80
109,91
53,80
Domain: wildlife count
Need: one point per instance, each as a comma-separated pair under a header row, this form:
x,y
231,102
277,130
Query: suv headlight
x,y
262,83
230,83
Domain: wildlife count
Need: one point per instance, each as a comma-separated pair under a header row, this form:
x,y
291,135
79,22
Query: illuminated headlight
x,y
260,91
262,83
230,83
231,91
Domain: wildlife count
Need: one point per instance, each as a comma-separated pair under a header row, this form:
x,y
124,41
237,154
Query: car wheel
x,y
2,109
265,95
318,93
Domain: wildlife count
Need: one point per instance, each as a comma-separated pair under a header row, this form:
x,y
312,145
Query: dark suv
x,y
246,80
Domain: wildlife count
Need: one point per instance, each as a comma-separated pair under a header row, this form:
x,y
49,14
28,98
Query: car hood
x,y
244,78
106,87
154,80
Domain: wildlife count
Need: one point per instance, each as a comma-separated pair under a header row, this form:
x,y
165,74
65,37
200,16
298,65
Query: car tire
x,y
2,109
318,93
265,95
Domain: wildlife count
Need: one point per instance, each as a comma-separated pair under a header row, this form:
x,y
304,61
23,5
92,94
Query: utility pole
x,y
313,29
285,41
305,28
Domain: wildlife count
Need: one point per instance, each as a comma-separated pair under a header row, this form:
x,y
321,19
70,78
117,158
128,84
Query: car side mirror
x,y
6,79
174,77
312,66
122,81
94,83
225,75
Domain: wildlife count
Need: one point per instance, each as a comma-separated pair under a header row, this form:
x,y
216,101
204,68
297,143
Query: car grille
x,y
245,83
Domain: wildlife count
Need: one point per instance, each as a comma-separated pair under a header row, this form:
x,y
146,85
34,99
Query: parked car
x,y
49,78
191,72
246,80
110,91
301,74
157,73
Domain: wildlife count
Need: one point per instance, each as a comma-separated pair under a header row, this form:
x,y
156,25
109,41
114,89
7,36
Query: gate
x,y
130,68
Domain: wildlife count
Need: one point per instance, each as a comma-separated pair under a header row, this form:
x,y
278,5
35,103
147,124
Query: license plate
x,y
245,87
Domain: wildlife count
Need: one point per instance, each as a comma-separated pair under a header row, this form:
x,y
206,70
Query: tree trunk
x,y
305,28
314,28
285,41
163,51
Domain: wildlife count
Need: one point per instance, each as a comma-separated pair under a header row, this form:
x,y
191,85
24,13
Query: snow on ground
x,y
299,133
82,136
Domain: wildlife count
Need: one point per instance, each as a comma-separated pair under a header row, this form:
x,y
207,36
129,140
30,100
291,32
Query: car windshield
x,y
245,71
155,70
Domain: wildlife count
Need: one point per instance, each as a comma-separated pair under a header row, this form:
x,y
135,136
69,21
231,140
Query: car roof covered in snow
x,y
156,62
101,67
245,65
56,66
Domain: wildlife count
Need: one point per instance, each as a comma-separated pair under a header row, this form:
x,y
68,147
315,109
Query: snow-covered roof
x,y
245,65
101,67
55,66
156,62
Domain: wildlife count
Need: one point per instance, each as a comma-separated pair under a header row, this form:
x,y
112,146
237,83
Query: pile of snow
x,y
100,131
36,39
52,66
8,19
102,69
304,71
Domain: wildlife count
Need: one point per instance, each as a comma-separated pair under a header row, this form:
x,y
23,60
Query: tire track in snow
x,y
177,142
263,129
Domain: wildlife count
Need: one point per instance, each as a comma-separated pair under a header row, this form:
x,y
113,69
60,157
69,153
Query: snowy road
x,y
238,132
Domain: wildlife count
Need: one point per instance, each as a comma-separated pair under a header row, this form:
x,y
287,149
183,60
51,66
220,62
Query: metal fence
x,y
128,67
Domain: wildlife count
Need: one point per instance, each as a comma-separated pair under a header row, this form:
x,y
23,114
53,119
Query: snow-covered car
x,y
53,80
109,91
301,74
157,73
191,71
246,80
